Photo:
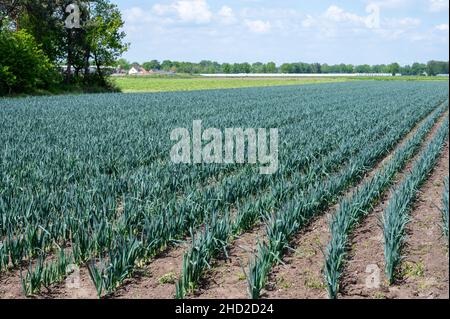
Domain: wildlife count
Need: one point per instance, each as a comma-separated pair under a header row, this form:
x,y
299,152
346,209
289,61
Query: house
x,y
135,70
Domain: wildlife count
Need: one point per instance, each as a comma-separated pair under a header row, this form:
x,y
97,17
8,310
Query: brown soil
x,y
301,276
226,279
426,265
11,286
366,257
156,280
84,288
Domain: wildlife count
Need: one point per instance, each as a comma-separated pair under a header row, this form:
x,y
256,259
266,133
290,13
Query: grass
x,y
141,84
169,278
186,82
412,270
159,84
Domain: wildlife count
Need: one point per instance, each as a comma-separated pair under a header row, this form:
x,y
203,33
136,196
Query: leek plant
x,y
353,209
396,215
445,209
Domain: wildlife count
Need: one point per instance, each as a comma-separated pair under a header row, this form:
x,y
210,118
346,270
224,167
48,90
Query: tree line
x,y
211,67
36,39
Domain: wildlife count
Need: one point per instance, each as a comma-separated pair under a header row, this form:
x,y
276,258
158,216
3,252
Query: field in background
x,y
135,84
139,84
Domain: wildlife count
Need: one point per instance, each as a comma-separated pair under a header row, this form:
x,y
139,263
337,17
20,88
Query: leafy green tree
x,y
437,67
246,67
226,68
365,68
394,68
286,68
152,65
24,66
167,65
418,68
9,11
258,67
123,64
270,67
104,35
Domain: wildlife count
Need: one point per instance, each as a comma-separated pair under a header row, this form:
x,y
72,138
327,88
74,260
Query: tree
x,y
418,68
123,64
271,67
437,67
258,67
24,66
104,35
286,68
316,68
226,68
365,68
152,65
394,68
166,65
406,70
9,10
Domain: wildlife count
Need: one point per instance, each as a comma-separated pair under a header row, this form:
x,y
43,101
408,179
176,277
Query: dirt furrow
x,y
364,273
226,278
157,279
11,286
425,270
78,285
301,277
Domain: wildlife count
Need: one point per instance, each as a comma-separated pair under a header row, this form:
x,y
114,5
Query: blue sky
x,y
336,31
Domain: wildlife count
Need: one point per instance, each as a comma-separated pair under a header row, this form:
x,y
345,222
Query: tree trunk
x,y
69,57
99,70
87,55
87,49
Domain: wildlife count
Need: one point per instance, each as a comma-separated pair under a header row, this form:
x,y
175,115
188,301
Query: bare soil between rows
x,y
426,253
301,275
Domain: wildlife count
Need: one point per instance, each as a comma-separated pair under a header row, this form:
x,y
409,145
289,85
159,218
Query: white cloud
x,y
389,4
135,15
408,22
258,26
337,14
309,21
196,11
226,15
442,27
438,5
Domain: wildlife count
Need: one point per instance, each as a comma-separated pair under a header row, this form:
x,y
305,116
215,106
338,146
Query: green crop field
x,y
139,84
130,84
88,181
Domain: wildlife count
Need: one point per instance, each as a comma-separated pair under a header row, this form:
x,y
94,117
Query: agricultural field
x,y
91,205
180,82
139,84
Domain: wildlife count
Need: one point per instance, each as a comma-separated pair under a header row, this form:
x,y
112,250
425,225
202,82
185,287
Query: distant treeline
x,y
430,68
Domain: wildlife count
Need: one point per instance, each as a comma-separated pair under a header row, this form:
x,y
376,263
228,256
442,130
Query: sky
x,y
324,31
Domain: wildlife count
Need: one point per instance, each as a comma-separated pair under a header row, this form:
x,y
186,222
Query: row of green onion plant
x,y
353,209
445,209
397,214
